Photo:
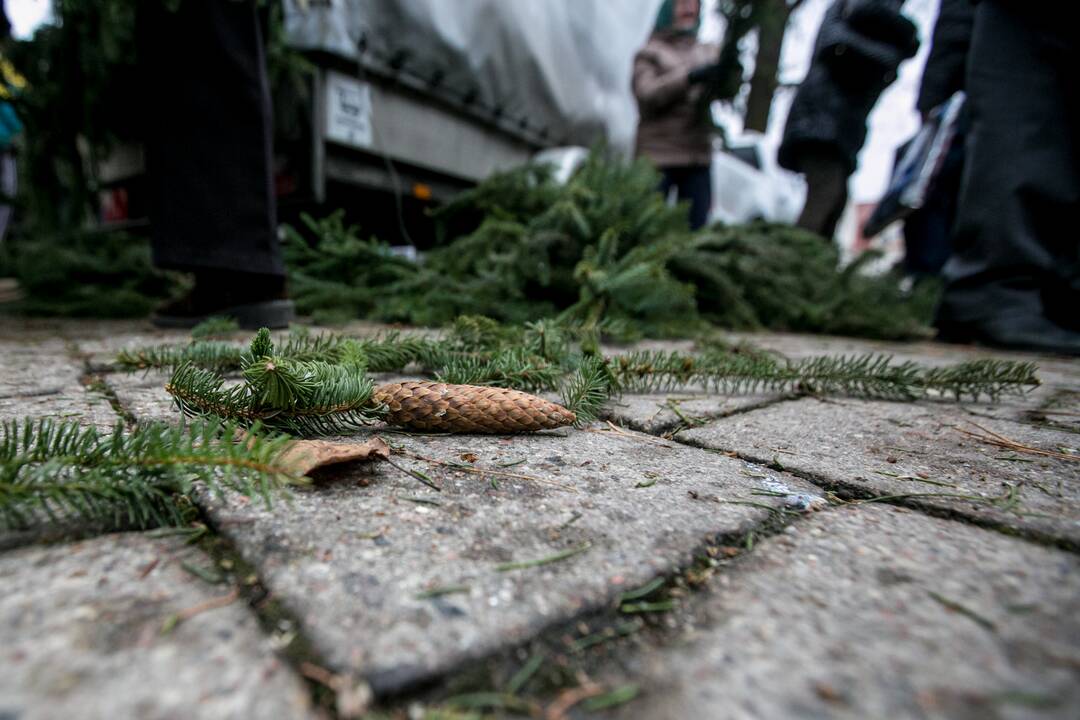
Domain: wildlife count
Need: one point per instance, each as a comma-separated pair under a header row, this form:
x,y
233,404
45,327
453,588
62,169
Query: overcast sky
x,y
893,121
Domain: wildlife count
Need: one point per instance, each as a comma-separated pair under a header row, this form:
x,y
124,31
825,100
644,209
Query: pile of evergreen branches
x,y
85,275
603,246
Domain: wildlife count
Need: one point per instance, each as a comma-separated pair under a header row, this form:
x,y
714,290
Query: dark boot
x,y
253,300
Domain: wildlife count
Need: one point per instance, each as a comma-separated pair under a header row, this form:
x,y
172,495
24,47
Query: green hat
x,y
665,18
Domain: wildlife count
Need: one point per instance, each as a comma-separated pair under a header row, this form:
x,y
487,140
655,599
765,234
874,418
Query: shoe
x,y
1033,333
253,300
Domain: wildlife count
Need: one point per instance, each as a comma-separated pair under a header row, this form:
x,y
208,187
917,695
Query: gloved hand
x,y
704,74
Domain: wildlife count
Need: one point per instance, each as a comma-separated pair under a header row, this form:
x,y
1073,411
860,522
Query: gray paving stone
x,y
884,448
74,403
351,556
101,351
876,612
36,367
81,636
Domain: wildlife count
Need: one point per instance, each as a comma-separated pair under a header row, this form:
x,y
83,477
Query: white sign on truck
x,y
348,111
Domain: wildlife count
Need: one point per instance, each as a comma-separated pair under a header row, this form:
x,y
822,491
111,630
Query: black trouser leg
x,y
209,137
1015,254
696,186
826,192
692,183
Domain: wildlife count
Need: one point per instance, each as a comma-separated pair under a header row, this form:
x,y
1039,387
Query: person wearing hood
x,y
672,81
858,51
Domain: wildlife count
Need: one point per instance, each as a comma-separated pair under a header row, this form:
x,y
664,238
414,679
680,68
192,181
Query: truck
x,y
408,102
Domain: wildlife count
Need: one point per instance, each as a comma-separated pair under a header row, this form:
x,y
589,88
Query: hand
x,y
704,74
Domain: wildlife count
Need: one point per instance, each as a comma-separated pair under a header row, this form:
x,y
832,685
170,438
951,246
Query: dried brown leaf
x,y
303,456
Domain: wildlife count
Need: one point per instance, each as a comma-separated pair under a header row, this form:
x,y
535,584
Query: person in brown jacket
x,y
672,73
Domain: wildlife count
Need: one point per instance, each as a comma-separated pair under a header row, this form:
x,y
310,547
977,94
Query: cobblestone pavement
x,y
756,556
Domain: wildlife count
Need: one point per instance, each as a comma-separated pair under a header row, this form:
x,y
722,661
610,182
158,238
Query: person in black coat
x,y
209,158
858,49
1013,279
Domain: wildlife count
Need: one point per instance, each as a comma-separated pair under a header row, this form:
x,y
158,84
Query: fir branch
x,y
297,397
202,393
514,368
320,397
59,470
869,376
211,355
587,390
214,327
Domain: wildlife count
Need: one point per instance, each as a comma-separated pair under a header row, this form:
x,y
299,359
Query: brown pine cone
x,y
468,408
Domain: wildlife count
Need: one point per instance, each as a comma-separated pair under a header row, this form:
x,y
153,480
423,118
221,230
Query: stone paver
x,y
860,611
76,402
876,612
351,560
36,366
81,636
886,449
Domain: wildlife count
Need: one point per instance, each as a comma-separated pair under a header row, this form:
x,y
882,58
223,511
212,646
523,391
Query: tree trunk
x,y
771,25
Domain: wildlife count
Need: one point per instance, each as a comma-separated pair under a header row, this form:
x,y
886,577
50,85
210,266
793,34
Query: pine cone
x,y
468,408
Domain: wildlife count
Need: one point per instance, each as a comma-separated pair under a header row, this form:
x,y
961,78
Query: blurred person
x,y
209,161
858,50
1013,279
673,75
928,230
11,84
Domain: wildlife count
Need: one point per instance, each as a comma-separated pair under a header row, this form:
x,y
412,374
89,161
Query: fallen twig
x,y
212,604
993,438
622,432
441,591
569,698
963,610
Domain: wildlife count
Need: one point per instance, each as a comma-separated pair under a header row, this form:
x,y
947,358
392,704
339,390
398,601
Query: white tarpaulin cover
x,y
564,65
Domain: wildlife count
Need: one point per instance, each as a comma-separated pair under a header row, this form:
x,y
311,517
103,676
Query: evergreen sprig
x,y
515,368
61,471
866,376
209,354
588,389
297,396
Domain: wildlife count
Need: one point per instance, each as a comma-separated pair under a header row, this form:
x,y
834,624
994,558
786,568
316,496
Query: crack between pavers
x,y
93,379
44,392
276,621
592,637
851,492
